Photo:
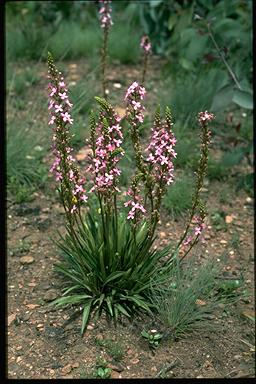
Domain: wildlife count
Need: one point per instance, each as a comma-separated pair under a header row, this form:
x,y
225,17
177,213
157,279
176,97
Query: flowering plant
x,y
109,262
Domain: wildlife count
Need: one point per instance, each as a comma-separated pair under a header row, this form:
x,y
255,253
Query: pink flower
x,y
104,162
188,240
104,13
54,90
145,44
205,117
73,209
66,117
63,95
133,94
63,166
161,152
58,108
52,120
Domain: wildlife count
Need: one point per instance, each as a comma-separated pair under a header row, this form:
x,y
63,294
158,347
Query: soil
x,y
46,343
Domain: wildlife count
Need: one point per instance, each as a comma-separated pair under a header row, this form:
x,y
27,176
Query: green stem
x,y
103,60
145,65
223,57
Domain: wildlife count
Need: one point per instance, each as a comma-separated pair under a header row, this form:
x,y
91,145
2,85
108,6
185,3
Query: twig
x,y
167,368
223,58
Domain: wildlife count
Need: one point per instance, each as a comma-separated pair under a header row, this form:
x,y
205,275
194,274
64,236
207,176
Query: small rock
x,y
237,357
26,316
45,286
162,235
43,223
116,367
50,295
117,85
249,200
18,359
19,348
32,306
115,375
154,369
46,210
27,259
135,361
90,327
199,377
130,351
11,318
67,369
229,219
200,302
75,365
51,371
223,242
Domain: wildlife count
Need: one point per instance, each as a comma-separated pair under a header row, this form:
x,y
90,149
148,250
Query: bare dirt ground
x,y
45,343
42,343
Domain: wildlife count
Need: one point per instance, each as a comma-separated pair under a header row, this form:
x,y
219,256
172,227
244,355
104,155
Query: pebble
x,y
115,367
18,359
223,242
135,361
50,295
67,369
19,348
27,259
11,318
90,327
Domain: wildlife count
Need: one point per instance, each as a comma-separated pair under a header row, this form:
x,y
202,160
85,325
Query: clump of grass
x,y
124,44
73,41
186,147
193,294
25,172
217,170
178,198
115,349
199,89
17,84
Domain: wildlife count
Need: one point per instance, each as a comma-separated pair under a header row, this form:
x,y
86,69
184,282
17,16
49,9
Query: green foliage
x,y
101,279
218,220
199,89
178,198
127,52
153,337
114,349
25,172
246,182
189,299
72,41
217,170
101,370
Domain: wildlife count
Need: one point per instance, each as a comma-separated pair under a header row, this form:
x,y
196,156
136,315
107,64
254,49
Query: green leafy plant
x,y
218,220
108,260
153,337
102,370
